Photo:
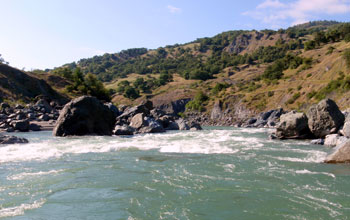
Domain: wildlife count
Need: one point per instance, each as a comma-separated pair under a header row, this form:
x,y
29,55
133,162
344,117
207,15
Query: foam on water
x,y
317,173
214,142
19,210
25,175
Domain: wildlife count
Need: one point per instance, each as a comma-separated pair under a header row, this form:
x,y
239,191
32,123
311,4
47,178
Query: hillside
x,y
247,71
19,86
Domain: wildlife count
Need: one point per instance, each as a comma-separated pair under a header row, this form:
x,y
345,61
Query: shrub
x,y
198,102
270,93
346,56
294,98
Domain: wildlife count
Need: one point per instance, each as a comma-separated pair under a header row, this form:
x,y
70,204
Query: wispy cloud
x,y
276,13
172,9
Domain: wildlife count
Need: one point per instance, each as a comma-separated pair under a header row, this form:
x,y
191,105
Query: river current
x,y
217,173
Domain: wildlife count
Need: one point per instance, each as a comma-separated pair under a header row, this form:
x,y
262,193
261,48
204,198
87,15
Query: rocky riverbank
x,y
88,116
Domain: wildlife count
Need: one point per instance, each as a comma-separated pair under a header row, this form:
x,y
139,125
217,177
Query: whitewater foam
x,y
19,210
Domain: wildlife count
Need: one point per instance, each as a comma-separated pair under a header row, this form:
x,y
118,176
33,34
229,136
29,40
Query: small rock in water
x,y
7,139
317,141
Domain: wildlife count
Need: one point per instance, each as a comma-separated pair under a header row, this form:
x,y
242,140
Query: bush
x,y
294,98
270,93
88,85
219,87
198,102
346,56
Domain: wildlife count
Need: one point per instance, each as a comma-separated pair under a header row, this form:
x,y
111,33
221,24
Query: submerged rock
x,y
7,139
83,116
325,118
293,126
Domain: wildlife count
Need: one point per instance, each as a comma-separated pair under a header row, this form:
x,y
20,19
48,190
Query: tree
x,y
2,60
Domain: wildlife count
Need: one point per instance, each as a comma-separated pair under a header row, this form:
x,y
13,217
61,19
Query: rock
x,y
194,126
317,142
271,124
4,105
20,116
10,129
293,126
157,113
276,114
151,126
182,124
34,127
174,107
44,105
331,140
20,125
265,115
341,154
19,106
83,116
6,139
137,121
216,112
346,129
123,130
44,117
142,108
260,123
324,118
113,108
272,137
172,126
251,121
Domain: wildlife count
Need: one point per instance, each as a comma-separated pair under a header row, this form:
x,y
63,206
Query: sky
x,y
40,34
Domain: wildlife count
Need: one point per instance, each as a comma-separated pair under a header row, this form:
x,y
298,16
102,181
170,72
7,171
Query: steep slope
x,y
16,85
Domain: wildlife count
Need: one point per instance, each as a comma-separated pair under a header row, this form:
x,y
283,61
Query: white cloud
x,y
173,9
276,13
271,4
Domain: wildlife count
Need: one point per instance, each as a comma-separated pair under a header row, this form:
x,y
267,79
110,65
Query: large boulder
x,y
325,118
293,126
83,116
7,139
341,154
137,121
20,125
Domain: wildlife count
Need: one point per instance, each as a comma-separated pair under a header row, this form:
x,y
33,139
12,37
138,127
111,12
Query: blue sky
x,y
48,33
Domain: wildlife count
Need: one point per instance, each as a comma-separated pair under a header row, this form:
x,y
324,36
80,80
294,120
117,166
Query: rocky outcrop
x,y
293,126
7,139
27,118
324,118
144,118
216,112
341,154
85,115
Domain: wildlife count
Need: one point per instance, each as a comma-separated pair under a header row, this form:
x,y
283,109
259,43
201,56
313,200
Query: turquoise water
x,y
217,173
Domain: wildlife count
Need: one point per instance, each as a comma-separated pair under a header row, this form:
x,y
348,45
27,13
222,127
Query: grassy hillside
x,y
259,70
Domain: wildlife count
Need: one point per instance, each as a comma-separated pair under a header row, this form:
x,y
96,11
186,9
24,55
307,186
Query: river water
x,y
217,173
